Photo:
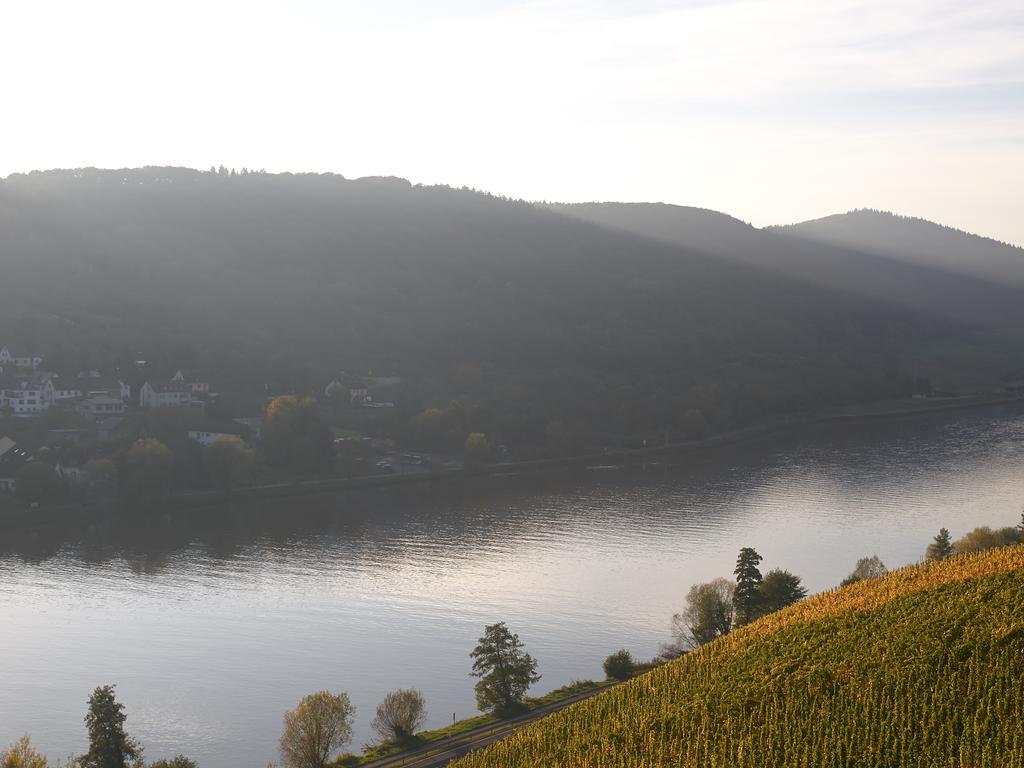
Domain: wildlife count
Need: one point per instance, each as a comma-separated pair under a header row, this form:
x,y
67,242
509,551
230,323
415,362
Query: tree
x,y
693,424
229,462
314,730
708,614
149,465
983,538
477,448
429,427
296,437
866,568
102,472
504,669
21,755
38,482
941,546
779,589
177,762
400,715
109,745
746,598
619,666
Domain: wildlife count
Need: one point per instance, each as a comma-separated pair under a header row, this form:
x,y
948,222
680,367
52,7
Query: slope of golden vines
x,y
865,595
922,668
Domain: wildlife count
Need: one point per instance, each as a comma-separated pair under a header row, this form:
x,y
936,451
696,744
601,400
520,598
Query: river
x,y
213,622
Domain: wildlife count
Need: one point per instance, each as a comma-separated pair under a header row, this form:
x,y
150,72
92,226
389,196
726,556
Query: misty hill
x,y
550,332
917,241
901,261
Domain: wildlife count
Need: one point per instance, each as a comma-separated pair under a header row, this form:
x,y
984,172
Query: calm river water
x,y
214,622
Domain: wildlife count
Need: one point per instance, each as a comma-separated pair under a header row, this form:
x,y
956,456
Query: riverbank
x,y
438,746
854,415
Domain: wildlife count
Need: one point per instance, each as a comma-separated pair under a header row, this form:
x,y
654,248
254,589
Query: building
x,y
165,394
12,458
7,445
8,481
253,425
93,385
209,432
100,407
25,395
354,387
9,357
199,384
66,392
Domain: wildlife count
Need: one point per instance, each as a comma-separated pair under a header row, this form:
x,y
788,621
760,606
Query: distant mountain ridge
x,y
922,268
917,241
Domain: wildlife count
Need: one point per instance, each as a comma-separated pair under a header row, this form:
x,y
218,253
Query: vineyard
x,y
923,668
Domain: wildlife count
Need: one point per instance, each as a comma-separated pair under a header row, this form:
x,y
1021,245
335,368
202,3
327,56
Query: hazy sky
x,y
771,110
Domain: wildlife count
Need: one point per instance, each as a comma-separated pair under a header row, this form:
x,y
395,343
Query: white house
x,y
65,392
18,359
356,388
199,384
165,394
100,407
26,395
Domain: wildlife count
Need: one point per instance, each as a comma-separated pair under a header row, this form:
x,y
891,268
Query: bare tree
x,y
708,614
866,568
400,715
318,727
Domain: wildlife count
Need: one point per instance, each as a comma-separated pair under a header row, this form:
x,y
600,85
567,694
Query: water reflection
x,y
214,621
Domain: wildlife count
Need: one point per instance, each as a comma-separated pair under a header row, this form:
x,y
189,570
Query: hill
x,y
903,262
917,241
919,668
549,332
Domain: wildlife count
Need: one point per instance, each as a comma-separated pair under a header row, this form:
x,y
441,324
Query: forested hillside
x,y
908,262
919,668
550,333
917,241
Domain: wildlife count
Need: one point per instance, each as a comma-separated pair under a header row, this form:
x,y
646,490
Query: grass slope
x,y
921,668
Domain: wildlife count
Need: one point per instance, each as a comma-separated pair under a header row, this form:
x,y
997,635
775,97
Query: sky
x,y
774,111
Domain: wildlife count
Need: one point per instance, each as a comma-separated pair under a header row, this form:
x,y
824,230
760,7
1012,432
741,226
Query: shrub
x,y
619,666
21,755
177,762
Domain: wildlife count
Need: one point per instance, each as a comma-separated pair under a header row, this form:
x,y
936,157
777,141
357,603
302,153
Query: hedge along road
x,y
444,751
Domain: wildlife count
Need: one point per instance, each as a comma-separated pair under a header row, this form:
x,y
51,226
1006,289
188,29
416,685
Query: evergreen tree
x,y
941,546
746,597
109,745
505,671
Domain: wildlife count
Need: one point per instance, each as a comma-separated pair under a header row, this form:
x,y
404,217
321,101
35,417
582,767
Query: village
x,y
80,424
